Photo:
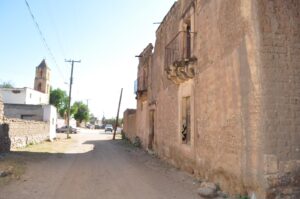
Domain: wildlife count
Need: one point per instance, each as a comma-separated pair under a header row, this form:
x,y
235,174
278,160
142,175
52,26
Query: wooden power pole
x,y
117,118
70,93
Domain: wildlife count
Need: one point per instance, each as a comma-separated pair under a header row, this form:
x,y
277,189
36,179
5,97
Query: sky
x,y
104,34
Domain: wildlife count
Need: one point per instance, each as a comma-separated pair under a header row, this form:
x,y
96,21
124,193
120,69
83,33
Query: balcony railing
x,y
135,86
179,57
140,88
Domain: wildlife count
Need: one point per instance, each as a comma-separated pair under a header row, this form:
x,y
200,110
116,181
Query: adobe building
x,y
219,96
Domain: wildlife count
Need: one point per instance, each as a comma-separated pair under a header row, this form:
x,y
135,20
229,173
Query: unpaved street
x,y
96,167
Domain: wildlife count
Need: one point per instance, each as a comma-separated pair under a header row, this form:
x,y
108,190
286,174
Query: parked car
x,y
97,126
108,127
90,126
64,129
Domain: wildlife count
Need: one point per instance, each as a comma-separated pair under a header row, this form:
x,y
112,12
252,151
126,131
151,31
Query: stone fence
x,y
16,133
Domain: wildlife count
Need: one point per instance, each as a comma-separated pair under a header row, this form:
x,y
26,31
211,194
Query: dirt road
x,y
96,167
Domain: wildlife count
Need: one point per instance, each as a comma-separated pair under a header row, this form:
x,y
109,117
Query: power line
x,y
50,14
43,39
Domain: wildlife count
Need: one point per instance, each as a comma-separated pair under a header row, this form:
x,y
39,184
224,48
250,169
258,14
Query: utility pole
x,y
70,93
117,119
87,102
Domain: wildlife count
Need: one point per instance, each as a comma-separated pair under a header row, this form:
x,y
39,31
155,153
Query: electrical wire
x,y
44,39
57,33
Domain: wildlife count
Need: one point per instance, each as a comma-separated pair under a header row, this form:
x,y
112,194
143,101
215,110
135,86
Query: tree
x,y
7,84
112,121
59,99
92,118
81,112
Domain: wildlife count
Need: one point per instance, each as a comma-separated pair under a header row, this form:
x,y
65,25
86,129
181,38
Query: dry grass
x,y
59,145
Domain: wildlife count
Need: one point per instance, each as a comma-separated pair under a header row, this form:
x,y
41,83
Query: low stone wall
x,y
16,133
129,123
1,110
4,138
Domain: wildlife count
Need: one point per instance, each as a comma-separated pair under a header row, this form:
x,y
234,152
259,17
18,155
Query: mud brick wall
x,y
129,123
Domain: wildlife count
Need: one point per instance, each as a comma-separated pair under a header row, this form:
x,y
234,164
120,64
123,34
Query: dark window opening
x,y
188,41
27,117
151,134
16,91
186,120
144,79
40,87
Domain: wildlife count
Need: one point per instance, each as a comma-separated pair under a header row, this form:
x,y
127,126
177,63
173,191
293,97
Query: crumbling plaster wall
x,y
142,121
221,91
163,91
227,95
279,31
241,95
142,113
245,95
129,126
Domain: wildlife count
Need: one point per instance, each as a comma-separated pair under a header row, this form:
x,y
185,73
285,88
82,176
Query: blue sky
x,y
104,34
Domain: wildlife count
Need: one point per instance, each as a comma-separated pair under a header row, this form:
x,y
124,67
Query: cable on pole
x,y
43,39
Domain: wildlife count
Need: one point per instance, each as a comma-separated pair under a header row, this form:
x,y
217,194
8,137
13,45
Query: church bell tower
x,y
42,78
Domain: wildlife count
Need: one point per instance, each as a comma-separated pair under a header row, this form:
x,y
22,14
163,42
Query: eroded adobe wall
x,y
163,92
225,142
129,123
142,112
227,95
142,118
279,27
245,97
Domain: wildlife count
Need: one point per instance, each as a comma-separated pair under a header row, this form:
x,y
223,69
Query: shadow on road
x,y
93,168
